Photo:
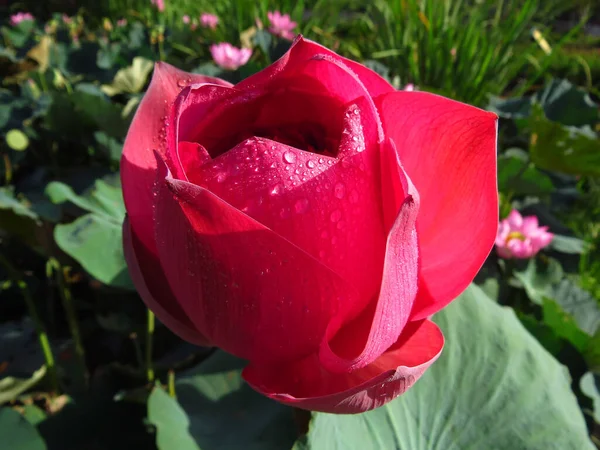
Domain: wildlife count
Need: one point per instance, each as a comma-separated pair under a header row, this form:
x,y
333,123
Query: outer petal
x,y
303,49
146,133
151,284
361,342
307,385
449,151
250,291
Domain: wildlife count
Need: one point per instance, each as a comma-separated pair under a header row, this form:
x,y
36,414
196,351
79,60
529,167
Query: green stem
x,y
171,383
149,338
71,314
39,325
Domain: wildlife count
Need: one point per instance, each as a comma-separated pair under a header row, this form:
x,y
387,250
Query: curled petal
x,y
306,384
304,49
146,134
151,284
360,342
448,150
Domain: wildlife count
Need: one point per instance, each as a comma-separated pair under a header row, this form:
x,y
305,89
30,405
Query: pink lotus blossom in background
x,y
185,19
160,4
121,22
209,21
521,237
229,57
281,25
410,87
19,17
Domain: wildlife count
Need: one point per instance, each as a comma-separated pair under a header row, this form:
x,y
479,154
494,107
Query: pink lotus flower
x,y
19,17
185,19
209,21
281,25
229,57
521,237
410,87
160,4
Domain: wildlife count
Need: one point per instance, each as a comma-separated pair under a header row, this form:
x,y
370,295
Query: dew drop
x,y
335,215
277,189
222,176
289,157
284,212
339,190
341,224
182,83
301,205
321,160
310,164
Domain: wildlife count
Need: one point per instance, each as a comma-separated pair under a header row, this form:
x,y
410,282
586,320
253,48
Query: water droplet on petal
x,y
321,160
284,212
289,157
222,176
277,189
301,206
339,190
310,164
335,215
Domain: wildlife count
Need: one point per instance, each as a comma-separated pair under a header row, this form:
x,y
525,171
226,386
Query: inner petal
x,y
301,119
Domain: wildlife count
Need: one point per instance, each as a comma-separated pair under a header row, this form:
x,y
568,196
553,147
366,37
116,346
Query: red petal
x,y
250,291
307,385
151,284
329,208
361,342
449,151
146,133
304,49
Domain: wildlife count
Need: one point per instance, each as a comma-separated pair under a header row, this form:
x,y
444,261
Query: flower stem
x,y
39,325
71,314
171,383
149,339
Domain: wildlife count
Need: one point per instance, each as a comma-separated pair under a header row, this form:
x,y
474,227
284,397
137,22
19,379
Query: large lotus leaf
x,y
215,409
493,388
17,433
95,239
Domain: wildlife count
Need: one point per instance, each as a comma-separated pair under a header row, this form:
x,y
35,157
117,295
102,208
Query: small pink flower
x,y
185,19
121,22
160,4
229,57
209,21
521,237
410,87
19,17
67,20
281,25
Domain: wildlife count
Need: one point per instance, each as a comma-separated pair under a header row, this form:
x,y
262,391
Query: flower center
x,y
515,235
